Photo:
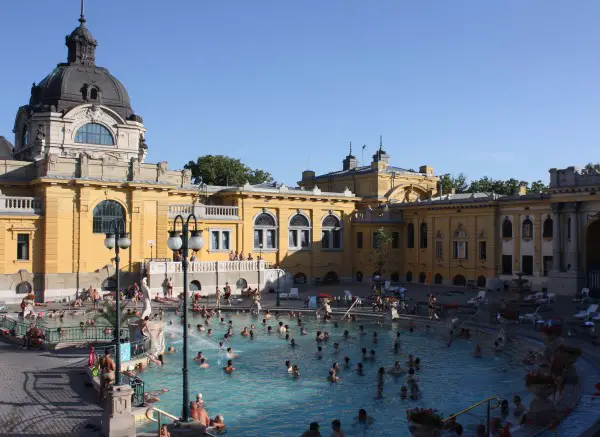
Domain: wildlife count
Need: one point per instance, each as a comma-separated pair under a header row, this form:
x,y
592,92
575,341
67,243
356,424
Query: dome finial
x,y
82,16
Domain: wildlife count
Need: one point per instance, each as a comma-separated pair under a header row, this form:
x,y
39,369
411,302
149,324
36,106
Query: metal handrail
x,y
170,416
351,306
489,408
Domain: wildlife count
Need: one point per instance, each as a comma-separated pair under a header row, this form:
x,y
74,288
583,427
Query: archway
x,y
195,285
241,283
422,277
395,277
409,276
593,257
299,278
109,284
359,276
437,279
331,278
481,281
459,280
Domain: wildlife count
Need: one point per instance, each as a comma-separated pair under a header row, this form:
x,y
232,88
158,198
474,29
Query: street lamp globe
x,y
196,241
109,241
174,242
124,241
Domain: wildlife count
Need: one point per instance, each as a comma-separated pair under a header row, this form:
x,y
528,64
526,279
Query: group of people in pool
x,y
362,419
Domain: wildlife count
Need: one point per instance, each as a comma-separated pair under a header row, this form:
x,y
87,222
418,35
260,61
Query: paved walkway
x,y
43,394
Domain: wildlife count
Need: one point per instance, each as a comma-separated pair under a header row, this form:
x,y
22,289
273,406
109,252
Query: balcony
x,y
205,212
10,205
155,267
378,215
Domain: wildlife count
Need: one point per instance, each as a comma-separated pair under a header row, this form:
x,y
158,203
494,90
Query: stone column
x,y
573,244
556,238
117,419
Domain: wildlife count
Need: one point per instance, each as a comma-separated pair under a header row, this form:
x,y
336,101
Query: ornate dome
x,y
80,80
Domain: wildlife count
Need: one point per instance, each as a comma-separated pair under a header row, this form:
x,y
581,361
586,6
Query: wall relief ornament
x,y
411,195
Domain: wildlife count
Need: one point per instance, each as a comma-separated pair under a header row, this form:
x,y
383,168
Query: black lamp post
x,y
119,239
184,241
260,246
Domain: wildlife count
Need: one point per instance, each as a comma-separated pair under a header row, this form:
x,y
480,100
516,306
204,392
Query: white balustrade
x,y
20,205
207,212
171,267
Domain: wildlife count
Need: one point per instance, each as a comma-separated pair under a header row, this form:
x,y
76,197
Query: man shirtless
x,y
107,372
199,414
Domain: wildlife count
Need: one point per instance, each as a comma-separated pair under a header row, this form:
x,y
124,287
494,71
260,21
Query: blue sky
x,y
506,89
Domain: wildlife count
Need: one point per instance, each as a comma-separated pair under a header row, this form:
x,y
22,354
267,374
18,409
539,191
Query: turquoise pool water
x,y
260,398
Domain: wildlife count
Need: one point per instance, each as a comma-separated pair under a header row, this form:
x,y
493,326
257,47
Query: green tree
x,y
536,187
107,316
223,170
591,168
380,254
459,183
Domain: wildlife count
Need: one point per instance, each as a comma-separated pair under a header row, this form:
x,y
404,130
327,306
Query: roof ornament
x,y
380,139
82,16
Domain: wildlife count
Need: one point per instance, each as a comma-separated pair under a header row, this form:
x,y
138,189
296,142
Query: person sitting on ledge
x,y
217,423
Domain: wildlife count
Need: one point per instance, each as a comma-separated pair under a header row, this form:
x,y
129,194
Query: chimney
x,y
523,189
426,170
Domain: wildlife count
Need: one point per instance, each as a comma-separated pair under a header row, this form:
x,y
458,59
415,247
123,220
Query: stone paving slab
x,y
44,394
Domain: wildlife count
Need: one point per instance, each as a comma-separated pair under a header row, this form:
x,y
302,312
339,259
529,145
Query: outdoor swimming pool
x,y
260,398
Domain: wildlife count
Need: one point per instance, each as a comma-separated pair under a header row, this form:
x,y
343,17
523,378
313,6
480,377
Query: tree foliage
x,y
488,185
591,168
380,253
108,315
223,170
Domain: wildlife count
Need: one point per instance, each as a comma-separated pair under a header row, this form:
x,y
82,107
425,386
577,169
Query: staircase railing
x,y
356,302
150,416
489,409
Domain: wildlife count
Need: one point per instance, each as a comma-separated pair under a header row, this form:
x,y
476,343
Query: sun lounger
x,y
585,314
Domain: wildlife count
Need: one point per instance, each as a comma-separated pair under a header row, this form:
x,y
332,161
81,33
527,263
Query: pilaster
x,y
537,245
51,229
556,238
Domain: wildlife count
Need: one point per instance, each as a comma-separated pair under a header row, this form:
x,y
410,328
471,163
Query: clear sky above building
x,y
504,89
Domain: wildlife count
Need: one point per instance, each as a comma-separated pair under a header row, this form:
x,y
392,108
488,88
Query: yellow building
x,y
79,162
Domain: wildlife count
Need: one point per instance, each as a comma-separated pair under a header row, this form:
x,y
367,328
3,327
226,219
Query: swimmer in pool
x,y
411,361
303,331
229,369
332,377
477,351
203,364
336,366
269,330
375,339
170,350
245,332
289,367
403,392
319,353
346,335
361,330
336,348
209,333
293,343
230,353
396,369
198,357
360,369
363,418
347,362
295,371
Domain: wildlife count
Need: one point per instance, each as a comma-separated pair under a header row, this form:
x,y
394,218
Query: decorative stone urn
x,y
419,430
542,409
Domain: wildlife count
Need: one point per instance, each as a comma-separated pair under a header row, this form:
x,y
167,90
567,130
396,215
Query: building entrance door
x,y
593,258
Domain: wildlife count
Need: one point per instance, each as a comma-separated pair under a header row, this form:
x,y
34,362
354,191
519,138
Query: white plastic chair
x,y
533,297
294,294
531,317
348,294
477,299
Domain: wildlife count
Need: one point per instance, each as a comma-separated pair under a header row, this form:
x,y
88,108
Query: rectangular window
x,y
271,239
325,239
220,240
507,267
299,239
395,240
527,265
23,247
460,250
376,240
547,265
359,240
337,239
482,250
439,249
258,238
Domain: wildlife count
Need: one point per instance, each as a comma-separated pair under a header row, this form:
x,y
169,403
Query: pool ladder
x,y
490,407
161,413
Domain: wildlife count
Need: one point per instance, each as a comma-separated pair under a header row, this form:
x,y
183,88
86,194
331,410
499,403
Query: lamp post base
x,y
117,419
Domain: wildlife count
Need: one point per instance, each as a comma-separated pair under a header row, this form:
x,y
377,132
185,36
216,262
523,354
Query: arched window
x,y
94,94
422,277
408,276
395,277
506,228
241,284
104,213
437,279
195,285
299,232
94,133
461,244
331,233
548,228
527,228
265,232
300,278
423,236
410,236
25,136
